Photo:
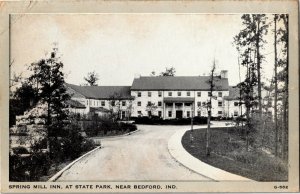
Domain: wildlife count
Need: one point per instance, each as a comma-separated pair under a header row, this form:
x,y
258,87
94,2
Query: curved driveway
x,y
140,156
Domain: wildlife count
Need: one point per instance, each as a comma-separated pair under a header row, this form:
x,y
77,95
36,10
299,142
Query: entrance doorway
x,y
179,114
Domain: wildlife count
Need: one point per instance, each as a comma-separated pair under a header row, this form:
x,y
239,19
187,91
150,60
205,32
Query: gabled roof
x,y
234,93
102,92
178,83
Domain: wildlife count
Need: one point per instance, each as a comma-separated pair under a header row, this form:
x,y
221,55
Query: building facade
x,y
167,97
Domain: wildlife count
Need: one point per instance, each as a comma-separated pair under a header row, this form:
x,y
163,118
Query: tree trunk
x,y
258,70
285,99
276,86
208,133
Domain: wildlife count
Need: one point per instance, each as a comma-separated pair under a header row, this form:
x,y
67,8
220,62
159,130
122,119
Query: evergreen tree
x,y
50,86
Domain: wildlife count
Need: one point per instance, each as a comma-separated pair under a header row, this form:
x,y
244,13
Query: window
x,y
188,113
199,113
209,94
199,94
123,103
187,104
170,93
102,103
139,103
203,103
123,114
113,103
220,94
159,93
159,103
235,113
198,103
139,113
236,103
188,93
169,104
139,94
178,93
170,113
220,112
149,113
220,104
149,103
149,94
159,113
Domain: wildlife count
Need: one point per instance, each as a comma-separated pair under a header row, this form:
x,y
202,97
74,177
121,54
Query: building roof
x,y
75,104
178,83
234,93
102,92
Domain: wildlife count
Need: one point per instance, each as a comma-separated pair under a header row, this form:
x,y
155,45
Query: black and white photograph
x,y
154,98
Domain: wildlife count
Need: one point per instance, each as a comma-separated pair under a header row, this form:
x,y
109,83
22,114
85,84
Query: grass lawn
x,y
228,153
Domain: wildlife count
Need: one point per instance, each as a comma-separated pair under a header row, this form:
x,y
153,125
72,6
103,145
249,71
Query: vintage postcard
x,y
149,96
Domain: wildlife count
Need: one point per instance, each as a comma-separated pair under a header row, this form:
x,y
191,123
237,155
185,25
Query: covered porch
x,y
178,107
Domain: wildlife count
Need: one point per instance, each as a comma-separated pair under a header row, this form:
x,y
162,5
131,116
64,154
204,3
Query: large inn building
x,y
170,97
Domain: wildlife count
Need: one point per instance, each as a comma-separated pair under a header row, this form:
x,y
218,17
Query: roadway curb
x,y
178,152
59,173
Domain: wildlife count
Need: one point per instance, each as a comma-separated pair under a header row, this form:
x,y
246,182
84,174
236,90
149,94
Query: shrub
x,y
128,127
159,121
87,145
20,150
29,168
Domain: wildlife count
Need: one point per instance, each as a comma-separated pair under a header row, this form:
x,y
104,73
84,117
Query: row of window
x,y
188,113
159,103
178,94
102,103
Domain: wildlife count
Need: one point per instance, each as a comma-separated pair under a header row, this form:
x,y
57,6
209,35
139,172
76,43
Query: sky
x,y
120,46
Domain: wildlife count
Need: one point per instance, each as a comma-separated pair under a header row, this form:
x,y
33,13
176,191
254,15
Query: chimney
x,y
137,76
224,74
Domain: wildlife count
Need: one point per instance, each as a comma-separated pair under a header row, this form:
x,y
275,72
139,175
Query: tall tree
x,y
246,50
276,85
251,40
92,78
168,72
283,62
49,78
261,29
211,83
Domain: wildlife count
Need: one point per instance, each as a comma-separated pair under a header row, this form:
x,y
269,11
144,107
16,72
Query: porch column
x,y
164,110
183,110
173,111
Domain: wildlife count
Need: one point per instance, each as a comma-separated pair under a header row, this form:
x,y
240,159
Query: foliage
x,y
62,136
154,120
92,78
168,72
102,126
151,107
21,100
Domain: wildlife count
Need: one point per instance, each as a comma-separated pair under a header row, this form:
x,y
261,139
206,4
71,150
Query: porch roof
x,y
179,99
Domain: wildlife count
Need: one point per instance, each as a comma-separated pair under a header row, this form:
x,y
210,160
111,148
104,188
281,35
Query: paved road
x,y
141,156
